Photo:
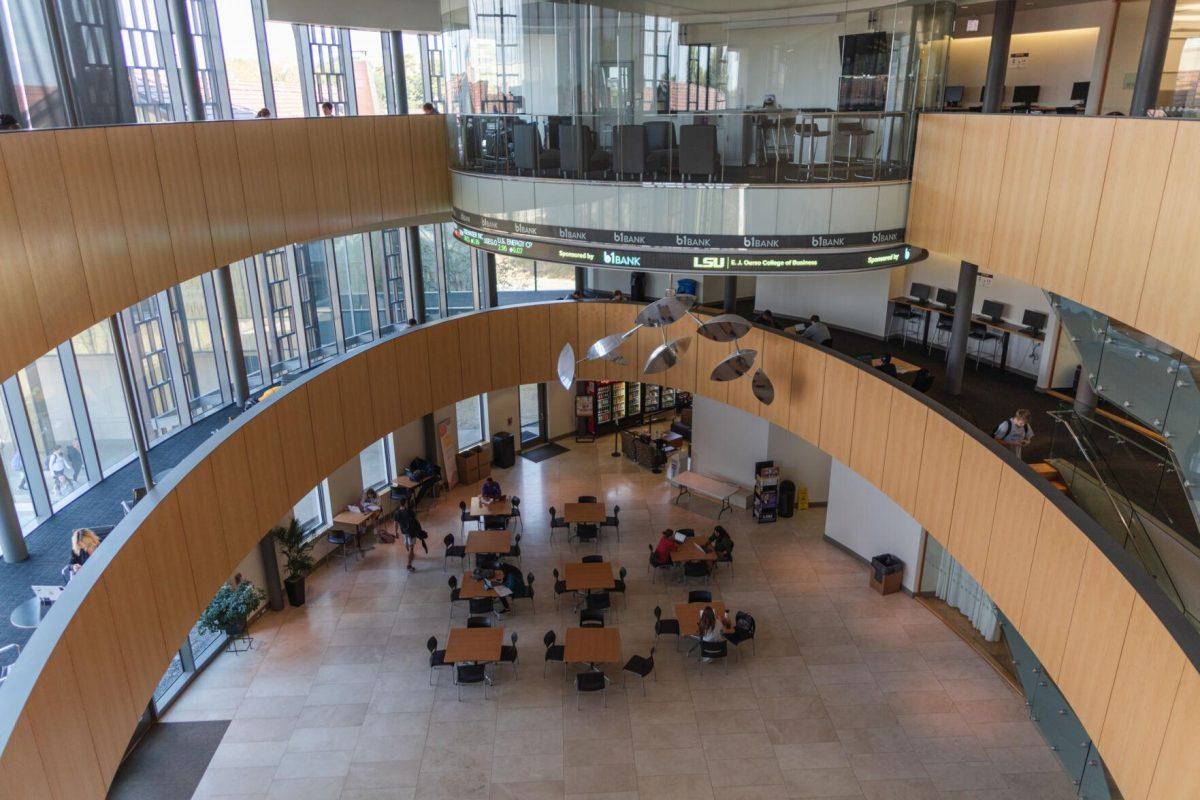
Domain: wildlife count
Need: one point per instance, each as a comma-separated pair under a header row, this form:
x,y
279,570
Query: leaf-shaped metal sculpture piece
x,y
566,366
603,348
666,355
724,328
762,387
661,312
734,365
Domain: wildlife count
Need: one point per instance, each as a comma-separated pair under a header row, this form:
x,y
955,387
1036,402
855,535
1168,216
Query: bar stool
x,y
805,142
941,332
980,334
852,131
909,318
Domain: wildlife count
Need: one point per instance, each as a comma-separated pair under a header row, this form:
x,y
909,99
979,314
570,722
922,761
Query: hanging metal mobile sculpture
x,y
667,311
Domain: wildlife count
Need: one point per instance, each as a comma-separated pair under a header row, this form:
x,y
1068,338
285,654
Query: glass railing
x,y
760,146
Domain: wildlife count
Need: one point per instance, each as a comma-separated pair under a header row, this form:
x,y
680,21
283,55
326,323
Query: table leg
x,y
1004,352
682,491
925,334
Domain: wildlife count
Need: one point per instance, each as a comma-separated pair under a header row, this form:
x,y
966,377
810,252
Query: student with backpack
x,y
1016,432
410,529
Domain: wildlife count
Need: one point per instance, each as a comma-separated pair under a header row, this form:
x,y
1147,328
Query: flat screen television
x,y
1026,95
866,58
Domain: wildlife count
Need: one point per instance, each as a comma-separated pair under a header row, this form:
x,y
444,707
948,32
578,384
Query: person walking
x,y
1015,432
410,529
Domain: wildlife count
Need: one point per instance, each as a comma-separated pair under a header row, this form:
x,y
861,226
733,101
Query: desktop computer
x,y
1026,95
919,292
993,310
953,96
1079,91
947,297
1034,321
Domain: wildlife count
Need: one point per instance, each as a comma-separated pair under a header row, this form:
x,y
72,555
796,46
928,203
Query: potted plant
x,y
297,553
230,608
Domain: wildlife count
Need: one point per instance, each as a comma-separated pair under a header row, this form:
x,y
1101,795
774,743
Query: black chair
x,y
641,666
578,155
712,651
725,558
619,584
455,593
514,516
981,335
654,565
907,316
481,605
613,521
554,652
661,149
514,550
591,681
598,601
481,622
587,498
585,532
923,382
528,153
665,627
595,558
437,658
629,150
700,596
696,569
744,627
465,516
591,618
508,654
557,522
698,151
467,674
344,541
453,551
941,332
560,588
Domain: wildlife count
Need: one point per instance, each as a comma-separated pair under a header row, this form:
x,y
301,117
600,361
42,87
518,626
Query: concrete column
x,y
580,280
730,294
270,565
493,292
1085,395
997,65
227,308
398,76
429,429
189,79
418,279
11,538
956,353
1154,55
131,404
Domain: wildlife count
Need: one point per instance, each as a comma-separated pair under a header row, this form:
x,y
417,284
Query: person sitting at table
x,y
886,366
710,630
666,545
84,542
816,331
491,489
766,318
720,542
370,500
513,580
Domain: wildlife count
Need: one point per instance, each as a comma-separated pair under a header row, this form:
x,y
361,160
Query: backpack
x,y
1003,429
386,531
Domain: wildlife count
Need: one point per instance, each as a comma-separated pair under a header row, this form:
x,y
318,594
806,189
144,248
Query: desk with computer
x,y
987,326
1024,100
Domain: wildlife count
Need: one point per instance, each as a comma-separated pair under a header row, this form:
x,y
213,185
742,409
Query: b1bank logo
x,y
621,260
709,262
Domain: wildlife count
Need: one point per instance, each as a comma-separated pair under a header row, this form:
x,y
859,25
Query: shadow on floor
x,y
169,762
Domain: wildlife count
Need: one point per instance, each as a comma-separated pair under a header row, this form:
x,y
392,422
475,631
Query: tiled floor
x,y
849,695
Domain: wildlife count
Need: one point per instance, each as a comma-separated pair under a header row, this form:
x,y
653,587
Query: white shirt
x,y
816,332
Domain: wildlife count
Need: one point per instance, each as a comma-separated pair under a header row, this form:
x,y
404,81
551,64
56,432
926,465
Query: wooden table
x,y
405,482
691,551
586,513
356,520
472,589
592,646
496,508
902,367
1006,329
688,615
585,577
474,644
489,542
694,483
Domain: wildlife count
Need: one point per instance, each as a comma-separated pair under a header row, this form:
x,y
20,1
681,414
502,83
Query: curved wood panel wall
x,y
1122,654
1098,209
94,219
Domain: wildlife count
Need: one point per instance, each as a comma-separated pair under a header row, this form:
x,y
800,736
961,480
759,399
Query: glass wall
x,y
354,291
101,379
374,463
14,466
430,273
316,301
461,294
198,357
53,426
522,280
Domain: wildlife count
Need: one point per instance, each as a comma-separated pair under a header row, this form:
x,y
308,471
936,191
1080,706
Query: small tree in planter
x,y
297,553
230,608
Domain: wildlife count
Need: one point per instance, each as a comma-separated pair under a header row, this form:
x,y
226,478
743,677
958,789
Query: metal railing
x,y
763,146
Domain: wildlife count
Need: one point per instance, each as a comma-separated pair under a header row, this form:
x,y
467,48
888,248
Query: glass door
x,y
533,414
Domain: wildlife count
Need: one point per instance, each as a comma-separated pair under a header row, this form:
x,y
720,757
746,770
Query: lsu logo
x,y
709,262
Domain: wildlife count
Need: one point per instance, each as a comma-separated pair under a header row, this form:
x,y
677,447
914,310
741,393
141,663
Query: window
x,y
197,353
413,78
101,379
325,47
429,273
389,281
460,277
522,280
471,421
497,25
316,303
374,464
243,70
53,425
148,351
280,318
434,62
531,411
656,71
354,294
310,511
210,69
145,61
15,468
370,77
285,70
36,81
243,302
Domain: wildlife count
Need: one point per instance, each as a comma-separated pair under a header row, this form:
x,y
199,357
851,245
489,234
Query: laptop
x,y
679,538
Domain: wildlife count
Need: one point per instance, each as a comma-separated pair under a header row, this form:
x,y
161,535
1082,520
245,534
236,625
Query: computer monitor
x,y
1026,95
946,297
1079,90
993,310
920,291
953,95
1034,319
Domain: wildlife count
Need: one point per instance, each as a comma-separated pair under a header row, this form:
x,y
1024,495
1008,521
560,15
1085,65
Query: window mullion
x,y
79,411
18,418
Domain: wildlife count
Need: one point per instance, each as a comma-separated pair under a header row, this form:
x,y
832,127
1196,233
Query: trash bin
x,y
687,286
637,286
504,451
787,498
887,573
